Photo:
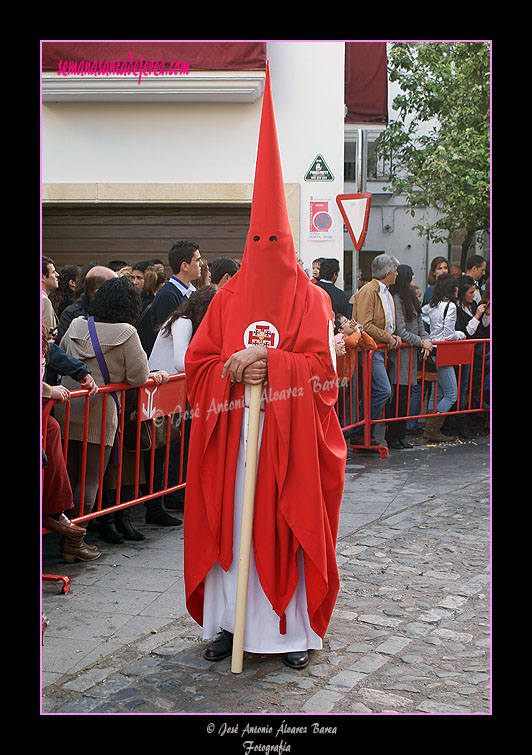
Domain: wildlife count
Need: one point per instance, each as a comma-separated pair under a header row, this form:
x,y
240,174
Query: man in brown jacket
x,y
373,308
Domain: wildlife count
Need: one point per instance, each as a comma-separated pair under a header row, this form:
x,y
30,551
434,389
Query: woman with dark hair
x,y
468,318
168,354
174,336
482,356
410,327
154,279
469,313
64,293
80,283
115,310
438,266
441,312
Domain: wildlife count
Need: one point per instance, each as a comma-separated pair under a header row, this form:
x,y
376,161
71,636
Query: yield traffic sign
x,y
355,212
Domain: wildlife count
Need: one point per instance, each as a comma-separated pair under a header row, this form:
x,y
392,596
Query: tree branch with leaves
x,y
438,147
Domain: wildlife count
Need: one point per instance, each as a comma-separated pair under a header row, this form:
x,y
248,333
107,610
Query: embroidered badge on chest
x,y
261,333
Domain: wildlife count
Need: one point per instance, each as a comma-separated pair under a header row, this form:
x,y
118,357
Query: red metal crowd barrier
x,y
161,411
153,404
470,358
156,416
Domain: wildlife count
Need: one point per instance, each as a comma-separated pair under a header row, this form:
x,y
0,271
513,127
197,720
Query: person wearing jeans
x,y
411,328
441,312
447,391
374,309
380,385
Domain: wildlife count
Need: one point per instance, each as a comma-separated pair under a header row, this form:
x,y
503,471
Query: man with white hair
x,y
373,308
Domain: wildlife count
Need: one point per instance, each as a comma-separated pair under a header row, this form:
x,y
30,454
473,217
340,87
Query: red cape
x,y
301,466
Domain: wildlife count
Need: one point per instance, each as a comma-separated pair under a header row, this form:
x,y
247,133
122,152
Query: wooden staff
x,y
246,528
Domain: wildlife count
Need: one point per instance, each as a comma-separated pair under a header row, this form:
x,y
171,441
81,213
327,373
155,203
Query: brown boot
x,y
74,547
432,430
63,525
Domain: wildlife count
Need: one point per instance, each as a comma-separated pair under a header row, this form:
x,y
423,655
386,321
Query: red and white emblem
x,y
261,333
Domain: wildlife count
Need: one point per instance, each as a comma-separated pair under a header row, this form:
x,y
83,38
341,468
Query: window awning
x,y
201,56
366,82
153,71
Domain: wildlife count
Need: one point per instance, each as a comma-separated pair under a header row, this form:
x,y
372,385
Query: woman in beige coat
x,y
115,309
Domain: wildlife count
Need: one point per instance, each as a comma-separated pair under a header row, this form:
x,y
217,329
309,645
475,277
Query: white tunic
x,y
262,623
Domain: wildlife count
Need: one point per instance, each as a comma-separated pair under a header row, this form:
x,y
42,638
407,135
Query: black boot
x,y
108,531
124,526
156,514
462,427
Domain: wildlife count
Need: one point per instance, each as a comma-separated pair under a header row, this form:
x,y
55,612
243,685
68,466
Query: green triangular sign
x,y
319,171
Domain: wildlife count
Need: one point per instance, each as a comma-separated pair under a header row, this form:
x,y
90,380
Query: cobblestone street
x,y
410,633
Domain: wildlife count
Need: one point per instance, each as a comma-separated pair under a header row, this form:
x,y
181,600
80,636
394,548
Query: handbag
x,y
114,459
146,434
130,424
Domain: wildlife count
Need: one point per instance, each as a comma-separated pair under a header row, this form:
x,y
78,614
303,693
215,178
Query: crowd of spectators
x,y
100,325
120,322
407,325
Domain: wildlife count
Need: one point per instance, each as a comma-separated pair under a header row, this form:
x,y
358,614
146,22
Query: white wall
x,y
149,142
308,91
211,143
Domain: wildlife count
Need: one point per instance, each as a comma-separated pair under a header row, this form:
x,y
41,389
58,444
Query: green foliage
x,y
439,147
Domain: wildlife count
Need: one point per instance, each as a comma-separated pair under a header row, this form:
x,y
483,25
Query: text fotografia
x,y
123,67
284,729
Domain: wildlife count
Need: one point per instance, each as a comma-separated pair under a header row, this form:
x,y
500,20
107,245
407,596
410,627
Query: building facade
x,y
129,166
146,143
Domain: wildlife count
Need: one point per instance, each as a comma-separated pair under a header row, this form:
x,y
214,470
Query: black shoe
x,y
463,431
296,660
357,440
395,444
175,500
174,505
405,444
108,531
125,528
221,648
157,515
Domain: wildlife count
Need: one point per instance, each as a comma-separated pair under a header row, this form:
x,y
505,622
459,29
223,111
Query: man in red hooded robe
x,y
268,324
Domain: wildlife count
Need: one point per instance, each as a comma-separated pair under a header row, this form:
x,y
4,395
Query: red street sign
x,y
322,221
355,212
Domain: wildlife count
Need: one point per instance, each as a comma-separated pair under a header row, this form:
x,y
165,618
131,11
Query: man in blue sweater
x,y
185,262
